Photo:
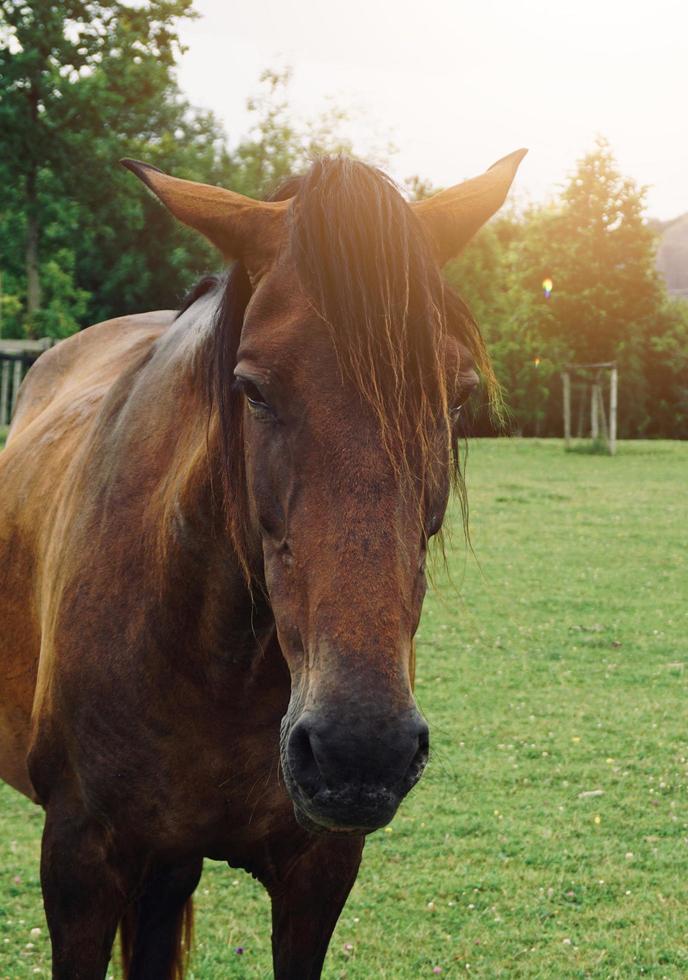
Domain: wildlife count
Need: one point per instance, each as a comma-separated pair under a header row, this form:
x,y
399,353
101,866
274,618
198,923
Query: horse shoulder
x,y
59,399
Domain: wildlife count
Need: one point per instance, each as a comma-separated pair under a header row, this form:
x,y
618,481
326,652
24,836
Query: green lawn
x,y
549,836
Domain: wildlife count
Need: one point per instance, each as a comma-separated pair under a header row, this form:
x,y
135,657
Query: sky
x,y
457,85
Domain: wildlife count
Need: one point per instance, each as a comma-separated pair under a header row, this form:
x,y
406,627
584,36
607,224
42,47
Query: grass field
x,y
549,836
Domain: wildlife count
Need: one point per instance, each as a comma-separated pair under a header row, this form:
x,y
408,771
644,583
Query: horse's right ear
x,y
453,216
239,226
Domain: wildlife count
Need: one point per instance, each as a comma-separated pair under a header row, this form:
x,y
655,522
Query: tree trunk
x,y
33,281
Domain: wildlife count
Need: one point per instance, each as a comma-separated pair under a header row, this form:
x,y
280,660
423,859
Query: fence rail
x,y
16,357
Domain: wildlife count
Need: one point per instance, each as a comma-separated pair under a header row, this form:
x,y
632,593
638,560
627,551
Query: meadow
x,y
549,835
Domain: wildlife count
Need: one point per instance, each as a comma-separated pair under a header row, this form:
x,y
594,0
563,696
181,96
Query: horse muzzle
x,y
346,778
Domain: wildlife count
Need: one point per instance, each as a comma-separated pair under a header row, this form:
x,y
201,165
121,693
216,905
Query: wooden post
x,y
566,380
594,420
581,411
613,394
16,381
602,414
4,391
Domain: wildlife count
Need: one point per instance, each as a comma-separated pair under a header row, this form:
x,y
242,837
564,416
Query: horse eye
x,y
434,524
254,396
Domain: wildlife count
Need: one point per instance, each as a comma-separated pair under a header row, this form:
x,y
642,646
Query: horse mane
x,y
204,285
365,264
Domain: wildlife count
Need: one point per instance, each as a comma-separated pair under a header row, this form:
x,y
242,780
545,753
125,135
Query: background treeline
x,y
84,83
608,303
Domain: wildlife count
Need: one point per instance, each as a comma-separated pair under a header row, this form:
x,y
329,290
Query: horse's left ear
x,y
452,217
239,226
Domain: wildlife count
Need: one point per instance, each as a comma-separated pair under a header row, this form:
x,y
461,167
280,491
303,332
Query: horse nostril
x,y
424,738
420,758
302,761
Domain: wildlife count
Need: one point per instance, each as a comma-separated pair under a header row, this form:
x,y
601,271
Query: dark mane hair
x,y
363,260
203,286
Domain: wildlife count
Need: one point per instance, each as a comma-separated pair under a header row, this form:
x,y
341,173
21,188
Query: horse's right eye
x,y
435,523
255,398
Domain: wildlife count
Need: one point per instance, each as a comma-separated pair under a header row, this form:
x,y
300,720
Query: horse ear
x,y
452,217
238,226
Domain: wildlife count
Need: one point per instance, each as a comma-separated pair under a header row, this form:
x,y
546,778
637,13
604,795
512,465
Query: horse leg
x,y
156,929
83,893
307,897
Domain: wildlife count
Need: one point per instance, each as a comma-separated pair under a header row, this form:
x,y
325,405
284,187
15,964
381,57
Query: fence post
x,y
613,395
16,381
566,380
594,418
4,391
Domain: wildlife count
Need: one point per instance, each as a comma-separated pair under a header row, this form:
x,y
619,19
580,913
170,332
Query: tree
x,y
488,276
74,76
607,303
666,372
599,252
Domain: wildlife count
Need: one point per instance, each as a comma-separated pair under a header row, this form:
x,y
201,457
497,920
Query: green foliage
x,y
607,303
599,253
666,371
557,668
67,304
80,82
487,275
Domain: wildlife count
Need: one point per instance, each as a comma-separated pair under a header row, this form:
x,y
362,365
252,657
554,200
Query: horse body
x,y
210,592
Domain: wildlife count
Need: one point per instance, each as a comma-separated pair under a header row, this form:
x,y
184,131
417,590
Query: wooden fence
x,y
16,357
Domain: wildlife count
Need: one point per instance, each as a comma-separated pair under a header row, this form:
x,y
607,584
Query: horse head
x,y
336,392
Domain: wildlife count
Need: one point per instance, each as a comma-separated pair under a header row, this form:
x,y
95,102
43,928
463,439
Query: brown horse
x,y
213,530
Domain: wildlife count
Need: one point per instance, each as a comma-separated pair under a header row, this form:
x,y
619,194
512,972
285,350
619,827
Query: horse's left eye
x,y
255,398
435,523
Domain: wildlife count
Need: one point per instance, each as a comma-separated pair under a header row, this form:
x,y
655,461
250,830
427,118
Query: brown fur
x,y
169,690
182,942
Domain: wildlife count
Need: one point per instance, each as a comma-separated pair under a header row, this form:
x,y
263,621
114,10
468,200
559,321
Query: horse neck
x,y
194,550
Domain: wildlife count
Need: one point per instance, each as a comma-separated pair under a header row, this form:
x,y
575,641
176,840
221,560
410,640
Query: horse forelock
x,y
363,261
